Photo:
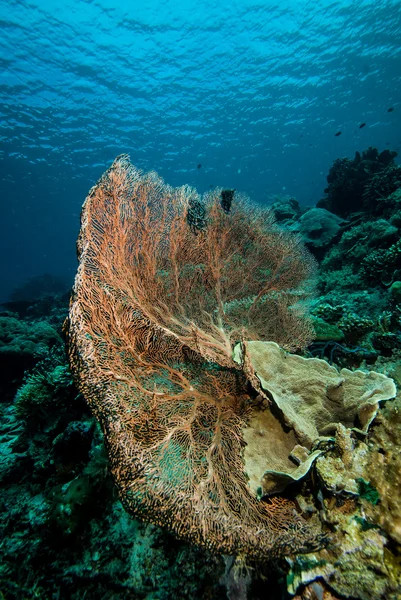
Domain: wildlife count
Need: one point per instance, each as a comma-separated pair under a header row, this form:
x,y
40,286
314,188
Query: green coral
x,y
381,265
363,252
326,331
26,338
380,187
343,279
367,491
45,385
395,291
354,326
364,524
328,312
359,241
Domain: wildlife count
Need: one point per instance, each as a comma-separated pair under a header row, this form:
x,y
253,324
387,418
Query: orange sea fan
x,y
159,300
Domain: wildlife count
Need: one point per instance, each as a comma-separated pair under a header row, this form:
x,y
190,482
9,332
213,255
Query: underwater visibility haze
x,y
233,94
212,411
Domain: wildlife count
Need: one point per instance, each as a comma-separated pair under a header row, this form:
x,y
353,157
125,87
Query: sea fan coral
x,y
156,309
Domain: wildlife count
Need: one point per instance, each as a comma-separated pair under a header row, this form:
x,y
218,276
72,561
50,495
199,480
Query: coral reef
x,y
358,278
19,339
361,506
318,228
65,533
286,210
359,184
358,497
48,382
312,395
22,344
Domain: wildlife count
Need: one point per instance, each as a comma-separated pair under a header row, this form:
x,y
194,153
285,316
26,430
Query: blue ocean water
x,y
244,94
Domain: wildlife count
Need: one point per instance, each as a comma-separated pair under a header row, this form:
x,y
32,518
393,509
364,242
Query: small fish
x,y
337,134
362,125
199,166
390,109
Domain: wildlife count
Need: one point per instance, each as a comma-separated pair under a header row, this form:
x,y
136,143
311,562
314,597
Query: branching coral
x,y
383,265
159,300
361,183
46,385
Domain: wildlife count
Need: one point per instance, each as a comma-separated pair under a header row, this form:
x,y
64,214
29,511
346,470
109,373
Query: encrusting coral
x,y
361,507
167,283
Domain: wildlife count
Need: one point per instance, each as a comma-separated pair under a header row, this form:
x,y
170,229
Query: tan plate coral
x,y
311,398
